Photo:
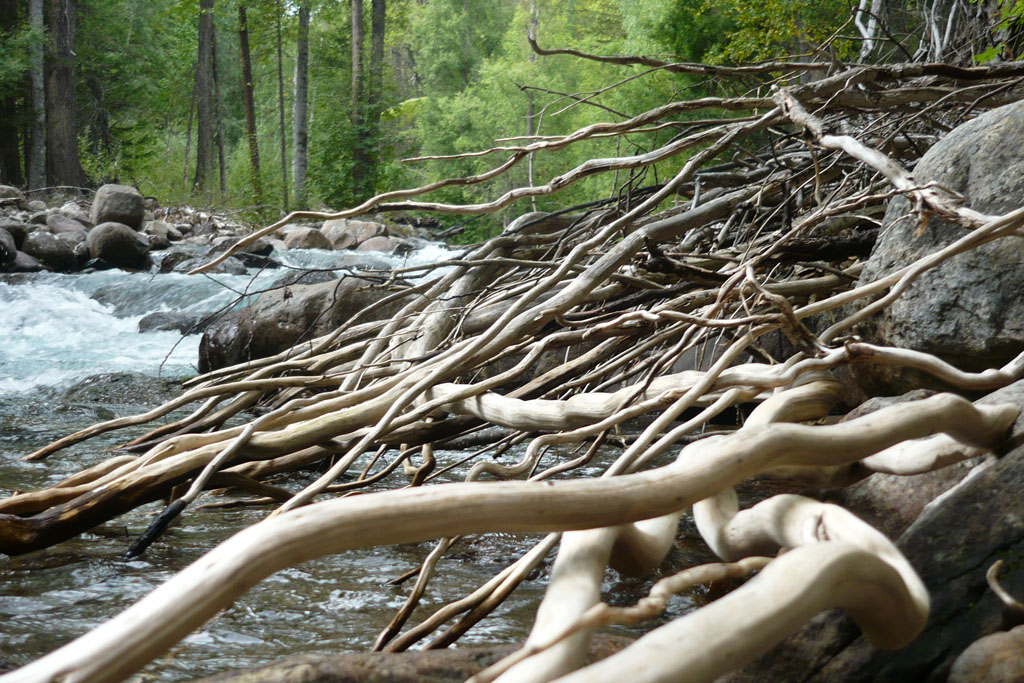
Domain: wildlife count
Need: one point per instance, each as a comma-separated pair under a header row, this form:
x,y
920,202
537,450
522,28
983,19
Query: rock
x,y
260,247
890,502
59,224
118,204
36,205
229,266
8,192
54,251
118,245
448,665
164,230
306,238
345,233
23,263
305,277
951,545
968,310
185,323
158,242
255,255
17,229
380,243
39,217
8,248
173,259
74,211
282,317
998,658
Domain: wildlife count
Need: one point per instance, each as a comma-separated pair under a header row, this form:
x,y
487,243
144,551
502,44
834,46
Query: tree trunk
x,y
359,160
188,132
250,110
220,117
35,160
280,108
62,164
10,155
300,136
99,123
204,99
374,96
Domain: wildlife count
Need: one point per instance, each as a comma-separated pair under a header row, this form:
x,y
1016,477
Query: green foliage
x,y
459,76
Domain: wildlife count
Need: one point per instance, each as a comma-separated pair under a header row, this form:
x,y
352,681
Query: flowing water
x,y
70,356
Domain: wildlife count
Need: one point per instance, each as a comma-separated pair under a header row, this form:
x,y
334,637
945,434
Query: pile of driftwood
x,y
733,283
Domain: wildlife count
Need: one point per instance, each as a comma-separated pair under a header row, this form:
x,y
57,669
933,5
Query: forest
x,y
274,103
735,277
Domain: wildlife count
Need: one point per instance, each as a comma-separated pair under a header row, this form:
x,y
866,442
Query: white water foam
x,y
57,329
53,336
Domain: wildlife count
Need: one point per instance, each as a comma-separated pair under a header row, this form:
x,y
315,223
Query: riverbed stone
x,y
23,263
71,209
118,204
306,238
448,665
8,192
381,243
118,245
8,249
59,224
175,321
951,544
345,233
54,251
282,317
165,231
968,310
19,230
997,658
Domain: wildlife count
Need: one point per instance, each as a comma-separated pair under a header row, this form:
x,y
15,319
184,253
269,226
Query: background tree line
x,y
302,104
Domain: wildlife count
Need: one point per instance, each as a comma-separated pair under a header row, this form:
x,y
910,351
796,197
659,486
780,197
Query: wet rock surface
x,y
285,316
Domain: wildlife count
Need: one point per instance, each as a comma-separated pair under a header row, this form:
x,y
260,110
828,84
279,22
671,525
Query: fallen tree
x,y
734,282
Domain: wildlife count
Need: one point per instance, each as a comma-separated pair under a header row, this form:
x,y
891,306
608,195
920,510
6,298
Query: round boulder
x,y
118,245
54,251
306,238
118,204
968,310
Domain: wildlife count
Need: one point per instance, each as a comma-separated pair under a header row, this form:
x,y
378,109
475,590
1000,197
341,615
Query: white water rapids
x,y
58,329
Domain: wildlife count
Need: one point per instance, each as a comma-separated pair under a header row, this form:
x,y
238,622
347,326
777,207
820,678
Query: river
x,y
70,356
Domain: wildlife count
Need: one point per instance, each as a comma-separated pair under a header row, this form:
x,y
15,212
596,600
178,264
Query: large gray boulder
x,y
345,233
969,310
306,238
282,317
54,251
118,204
951,545
118,245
